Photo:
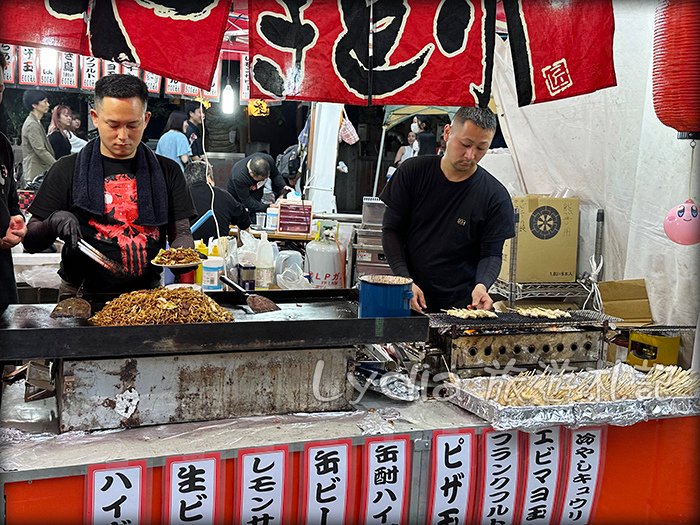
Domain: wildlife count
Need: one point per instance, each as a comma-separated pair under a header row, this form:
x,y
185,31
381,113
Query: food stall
x,y
313,414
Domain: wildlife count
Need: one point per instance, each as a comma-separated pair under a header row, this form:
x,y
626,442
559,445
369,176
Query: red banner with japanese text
x,y
422,51
560,49
426,52
150,33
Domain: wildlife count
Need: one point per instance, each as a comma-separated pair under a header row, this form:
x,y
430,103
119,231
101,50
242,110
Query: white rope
x,y
590,284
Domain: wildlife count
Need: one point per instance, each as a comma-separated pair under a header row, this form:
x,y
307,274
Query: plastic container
x,y
246,276
264,264
385,296
273,216
212,268
201,247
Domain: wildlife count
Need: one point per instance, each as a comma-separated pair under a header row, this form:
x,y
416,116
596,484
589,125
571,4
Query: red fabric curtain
x,y
177,39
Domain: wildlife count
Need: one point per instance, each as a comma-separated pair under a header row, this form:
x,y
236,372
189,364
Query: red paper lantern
x,y
676,68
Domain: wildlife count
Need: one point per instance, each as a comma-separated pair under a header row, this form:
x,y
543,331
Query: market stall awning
x,y
394,115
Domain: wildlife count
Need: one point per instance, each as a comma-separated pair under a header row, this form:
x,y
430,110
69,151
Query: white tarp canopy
x,y
394,115
610,149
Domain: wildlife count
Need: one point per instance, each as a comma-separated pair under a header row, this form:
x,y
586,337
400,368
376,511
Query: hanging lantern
x,y
676,67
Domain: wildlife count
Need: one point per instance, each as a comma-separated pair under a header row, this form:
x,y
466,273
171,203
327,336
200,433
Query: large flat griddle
x,y
306,319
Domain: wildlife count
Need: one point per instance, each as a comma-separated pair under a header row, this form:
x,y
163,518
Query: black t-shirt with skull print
x,y
117,233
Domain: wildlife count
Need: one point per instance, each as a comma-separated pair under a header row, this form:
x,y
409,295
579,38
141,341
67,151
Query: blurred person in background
x,y
427,145
76,142
247,182
37,152
59,130
228,211
406,151
194,128
173,142
12,226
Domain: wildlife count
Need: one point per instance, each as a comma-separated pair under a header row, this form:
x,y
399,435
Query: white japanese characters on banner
x,y
8,74
387,474
152,81
583,473
544,453
326,471
244,82
501,477
28,66
192,484
48,67
68,76
261,485
131,70
451,482
116,493
89,72
173,87
110,68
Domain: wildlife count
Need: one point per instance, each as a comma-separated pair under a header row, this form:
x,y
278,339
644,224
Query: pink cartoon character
x,y
682,224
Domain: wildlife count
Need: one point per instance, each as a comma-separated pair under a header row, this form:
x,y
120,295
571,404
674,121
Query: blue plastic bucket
x,y
385,296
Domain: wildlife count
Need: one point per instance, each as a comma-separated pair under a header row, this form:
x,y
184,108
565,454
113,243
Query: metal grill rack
x,y
514,320
518,291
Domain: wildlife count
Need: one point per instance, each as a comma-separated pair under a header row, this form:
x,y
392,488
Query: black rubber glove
x,y
66,227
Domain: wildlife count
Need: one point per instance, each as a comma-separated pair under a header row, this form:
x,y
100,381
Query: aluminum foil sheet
x,y
470,394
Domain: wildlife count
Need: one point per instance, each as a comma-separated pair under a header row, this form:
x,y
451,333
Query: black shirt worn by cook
x,y
117,233
445,225
226,209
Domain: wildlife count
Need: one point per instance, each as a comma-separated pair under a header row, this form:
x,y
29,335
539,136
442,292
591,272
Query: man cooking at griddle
x,y
447,219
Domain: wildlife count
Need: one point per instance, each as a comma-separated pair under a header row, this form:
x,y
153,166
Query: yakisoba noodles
x,y
161,306
173,256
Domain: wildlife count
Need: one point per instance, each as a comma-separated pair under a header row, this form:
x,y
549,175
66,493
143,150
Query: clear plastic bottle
x,y
264,264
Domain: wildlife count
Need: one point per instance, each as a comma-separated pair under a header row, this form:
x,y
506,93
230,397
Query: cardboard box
x,y
547,237
626,299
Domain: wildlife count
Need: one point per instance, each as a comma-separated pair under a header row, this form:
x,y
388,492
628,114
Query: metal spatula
x,y
76,307
257,303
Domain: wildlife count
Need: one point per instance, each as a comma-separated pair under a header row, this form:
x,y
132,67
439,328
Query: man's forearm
x,y
40,235
487,270
394,252
180,235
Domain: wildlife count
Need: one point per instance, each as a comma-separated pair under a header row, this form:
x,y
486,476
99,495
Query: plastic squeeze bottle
x,y
264,264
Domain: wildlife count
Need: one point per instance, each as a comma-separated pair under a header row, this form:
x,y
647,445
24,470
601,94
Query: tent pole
x,y
379,162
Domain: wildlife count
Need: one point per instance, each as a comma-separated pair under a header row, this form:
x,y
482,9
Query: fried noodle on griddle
x,y
161,306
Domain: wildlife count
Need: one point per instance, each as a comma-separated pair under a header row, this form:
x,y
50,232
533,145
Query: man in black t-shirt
x,y
247,182
226,209
193,130
117,194
447,219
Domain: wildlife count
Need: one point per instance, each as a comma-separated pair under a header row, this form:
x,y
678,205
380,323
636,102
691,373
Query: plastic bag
x,y
347,132
292,278
40,277
248,251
